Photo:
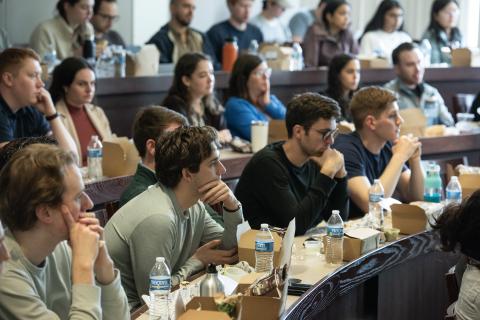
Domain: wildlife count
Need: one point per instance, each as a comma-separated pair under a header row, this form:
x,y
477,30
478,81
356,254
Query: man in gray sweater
x,y
43,204
169,219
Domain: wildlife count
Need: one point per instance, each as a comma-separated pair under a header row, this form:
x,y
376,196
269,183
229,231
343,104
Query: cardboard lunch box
x,y
374,63
466,57
282,246
415,217
120,157
267,307
470,183
357,242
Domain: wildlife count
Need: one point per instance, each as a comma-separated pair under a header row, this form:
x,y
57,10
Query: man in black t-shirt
x,y
301,178
375,151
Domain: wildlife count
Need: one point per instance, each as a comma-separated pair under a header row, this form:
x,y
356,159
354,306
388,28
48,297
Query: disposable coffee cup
x,y
259,133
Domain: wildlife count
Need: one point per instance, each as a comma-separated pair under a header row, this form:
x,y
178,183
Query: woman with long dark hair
x,y
249,96
323,42
66,32
343,80
191,94
72,90
459,227
442,32
384,32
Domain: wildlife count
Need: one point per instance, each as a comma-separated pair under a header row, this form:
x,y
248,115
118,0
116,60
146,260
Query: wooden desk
x,y
402,280
122,97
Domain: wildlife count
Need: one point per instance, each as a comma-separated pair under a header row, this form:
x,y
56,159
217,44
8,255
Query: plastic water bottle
x,y
253,47
160,282
50,58
375,210
296,63
454,191
89,52
94,158
264,250
334,250
433,184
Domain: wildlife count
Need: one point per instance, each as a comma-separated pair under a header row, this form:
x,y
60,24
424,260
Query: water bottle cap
x,y
264,226
335,212
453,178
376,180
160,259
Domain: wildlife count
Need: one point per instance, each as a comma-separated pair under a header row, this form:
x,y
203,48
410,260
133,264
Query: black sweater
x,y
272,190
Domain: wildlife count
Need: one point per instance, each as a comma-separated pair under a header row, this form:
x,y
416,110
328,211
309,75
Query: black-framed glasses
x,y
108,17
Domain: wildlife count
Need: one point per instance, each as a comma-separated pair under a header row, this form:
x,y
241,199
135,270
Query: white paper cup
x,y
259,133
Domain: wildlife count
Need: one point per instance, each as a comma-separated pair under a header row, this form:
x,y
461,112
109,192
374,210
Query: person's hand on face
x,y
217,191
331,163
44,103
82,239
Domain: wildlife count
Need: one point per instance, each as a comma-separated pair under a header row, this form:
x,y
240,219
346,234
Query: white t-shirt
x,y
272,30
381,43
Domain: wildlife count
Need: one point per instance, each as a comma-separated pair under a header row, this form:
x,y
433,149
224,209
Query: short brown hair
x,y
184,148
33,176
11,59
370,101
307,108
151,122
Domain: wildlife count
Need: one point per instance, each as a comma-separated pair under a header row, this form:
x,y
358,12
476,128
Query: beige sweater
x,y
96,115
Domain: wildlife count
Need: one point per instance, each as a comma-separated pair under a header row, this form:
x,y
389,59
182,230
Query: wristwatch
x,y
239,205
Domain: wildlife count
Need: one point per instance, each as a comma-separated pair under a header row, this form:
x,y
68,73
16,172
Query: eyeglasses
x,y
108,17
265,72
328,134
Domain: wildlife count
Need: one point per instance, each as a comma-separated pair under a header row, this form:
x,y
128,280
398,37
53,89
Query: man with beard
x,y
105,13
412,91
301,178
176,38
375,151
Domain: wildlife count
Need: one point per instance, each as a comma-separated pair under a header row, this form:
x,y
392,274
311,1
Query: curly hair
x,y
371,100
306,108
184,148
34,176
458,226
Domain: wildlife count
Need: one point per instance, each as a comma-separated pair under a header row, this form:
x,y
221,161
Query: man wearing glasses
x,y
375,151
301,178
105,13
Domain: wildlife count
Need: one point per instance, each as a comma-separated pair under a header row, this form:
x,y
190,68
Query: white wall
x,y
140,19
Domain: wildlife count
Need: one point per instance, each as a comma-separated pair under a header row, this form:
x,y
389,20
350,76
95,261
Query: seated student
x,y
236,26
73,89
191,94
4,253
375,151
323,42
443,31
66,32
301,178
43,205
150,123
384,32
249,96
105,12
458,228
26,108
300,21
342,82
170,220
412,91
176,37
268,21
